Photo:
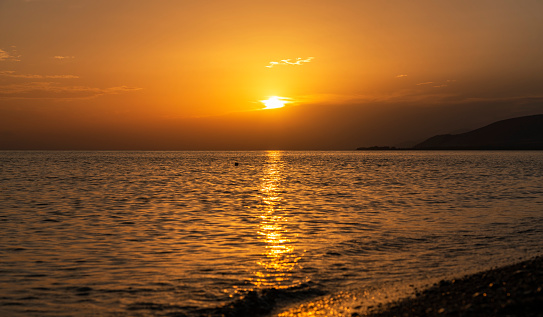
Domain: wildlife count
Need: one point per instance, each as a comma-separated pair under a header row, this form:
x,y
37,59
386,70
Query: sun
x,y
274,102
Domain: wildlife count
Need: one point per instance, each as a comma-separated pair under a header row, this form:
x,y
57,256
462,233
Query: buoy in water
x,y
236,164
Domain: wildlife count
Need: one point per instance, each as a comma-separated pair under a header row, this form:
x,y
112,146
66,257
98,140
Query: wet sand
x,y
513,290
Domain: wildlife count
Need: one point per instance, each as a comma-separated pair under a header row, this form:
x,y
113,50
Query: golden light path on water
x,y
279,257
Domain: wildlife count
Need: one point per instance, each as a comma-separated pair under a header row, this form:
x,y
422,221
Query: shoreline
x,y
505,290
512,290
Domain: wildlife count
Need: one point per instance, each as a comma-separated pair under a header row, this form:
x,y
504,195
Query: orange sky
x,y
177,75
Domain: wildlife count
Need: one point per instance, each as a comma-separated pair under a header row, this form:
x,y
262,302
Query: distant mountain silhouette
x,y
523,133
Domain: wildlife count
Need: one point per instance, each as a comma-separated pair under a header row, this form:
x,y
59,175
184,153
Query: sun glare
x,y
274,102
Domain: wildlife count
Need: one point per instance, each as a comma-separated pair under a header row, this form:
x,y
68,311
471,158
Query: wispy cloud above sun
x,y
290,61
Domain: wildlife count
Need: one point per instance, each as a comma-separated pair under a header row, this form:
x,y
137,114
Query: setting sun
x,y
274,102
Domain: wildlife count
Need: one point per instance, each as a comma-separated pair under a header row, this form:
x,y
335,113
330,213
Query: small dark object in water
x,y
236,164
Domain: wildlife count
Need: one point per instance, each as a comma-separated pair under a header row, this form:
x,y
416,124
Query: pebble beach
x,y
513,290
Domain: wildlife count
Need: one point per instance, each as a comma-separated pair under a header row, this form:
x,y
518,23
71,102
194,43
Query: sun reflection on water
x,y
279,260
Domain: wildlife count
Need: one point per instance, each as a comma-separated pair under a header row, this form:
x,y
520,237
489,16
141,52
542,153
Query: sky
x,y
193,75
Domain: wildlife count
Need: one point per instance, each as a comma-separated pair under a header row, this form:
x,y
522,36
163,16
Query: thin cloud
x,y
53,90
9,56
401,76
61,76
3,55
13,74
297,61
438,84
63,57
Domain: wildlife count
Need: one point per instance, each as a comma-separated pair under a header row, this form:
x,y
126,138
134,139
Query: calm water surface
x,y
162,233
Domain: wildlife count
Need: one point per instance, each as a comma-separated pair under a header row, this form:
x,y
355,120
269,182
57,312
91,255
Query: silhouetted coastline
x,y
516,134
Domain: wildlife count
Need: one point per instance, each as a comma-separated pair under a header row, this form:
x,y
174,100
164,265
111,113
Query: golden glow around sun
x,y
274,102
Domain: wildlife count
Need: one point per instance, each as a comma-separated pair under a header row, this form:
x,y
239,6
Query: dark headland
x,y
522,133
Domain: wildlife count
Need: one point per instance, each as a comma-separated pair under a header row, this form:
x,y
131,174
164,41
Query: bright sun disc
x,y
273,102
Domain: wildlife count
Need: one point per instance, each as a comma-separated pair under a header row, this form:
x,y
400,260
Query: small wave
x,y
154,307
263,302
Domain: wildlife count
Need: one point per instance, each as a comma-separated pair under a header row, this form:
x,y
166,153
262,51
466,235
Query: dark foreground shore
x,y
513,290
